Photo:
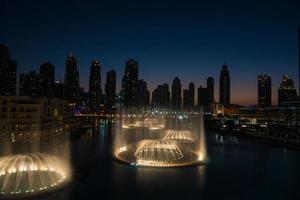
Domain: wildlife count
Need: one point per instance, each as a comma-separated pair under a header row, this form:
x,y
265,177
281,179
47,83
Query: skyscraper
x,y
95,90
286,91
203,99
47,73
176,99
224,86
72,89
186,98
161,97
206,95
8,73
192,94
31,85
110,89
264,91
210,89
189,97
59,89
130,84
143,94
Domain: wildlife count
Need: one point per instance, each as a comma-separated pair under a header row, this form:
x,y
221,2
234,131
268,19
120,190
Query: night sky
x,y
189,39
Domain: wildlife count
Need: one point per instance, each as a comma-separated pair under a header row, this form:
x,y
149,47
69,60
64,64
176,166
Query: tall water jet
x,y
35,156
158,139
202,139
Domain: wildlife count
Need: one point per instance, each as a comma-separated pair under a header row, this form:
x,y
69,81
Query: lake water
x,y
238,169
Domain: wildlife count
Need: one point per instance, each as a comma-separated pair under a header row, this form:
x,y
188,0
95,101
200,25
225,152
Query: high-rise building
x,y
30,85
224,86
176,99
95,90
59,89
110,89
186,98
192,94
286,91
210,84
143,94
264,91
8,73
72,88
206,95
130,84
203,97
189,97
161,97
47,73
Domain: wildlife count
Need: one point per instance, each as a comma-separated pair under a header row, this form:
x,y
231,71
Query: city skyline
x,y
167,44
157,99
20,78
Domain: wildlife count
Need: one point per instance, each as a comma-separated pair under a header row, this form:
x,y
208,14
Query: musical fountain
x,y
183,136
21,174
157,153
151,123
172,144
29,169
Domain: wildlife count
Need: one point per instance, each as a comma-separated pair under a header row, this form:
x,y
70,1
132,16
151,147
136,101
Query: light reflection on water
x,y
221,139
238,169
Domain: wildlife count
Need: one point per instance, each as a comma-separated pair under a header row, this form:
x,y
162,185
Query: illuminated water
x,y
30,169
160,140
238,169
30,173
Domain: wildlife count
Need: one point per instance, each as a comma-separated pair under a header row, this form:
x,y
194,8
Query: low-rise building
x,y
33,119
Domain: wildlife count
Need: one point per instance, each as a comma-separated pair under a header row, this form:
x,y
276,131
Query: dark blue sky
x,y
189,39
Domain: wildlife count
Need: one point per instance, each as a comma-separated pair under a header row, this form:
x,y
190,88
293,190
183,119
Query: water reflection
x,y
221,139
243,170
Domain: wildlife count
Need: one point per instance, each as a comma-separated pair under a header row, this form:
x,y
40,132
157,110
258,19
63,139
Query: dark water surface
x,y
238,169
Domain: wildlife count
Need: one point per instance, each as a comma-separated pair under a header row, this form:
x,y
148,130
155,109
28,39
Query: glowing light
x,y
169,148
200,156
157,152
29,173
183,136
151,123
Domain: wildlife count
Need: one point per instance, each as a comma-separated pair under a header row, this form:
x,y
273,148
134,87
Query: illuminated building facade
x,y
286,91
22,118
